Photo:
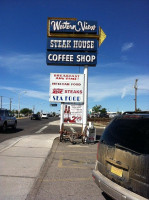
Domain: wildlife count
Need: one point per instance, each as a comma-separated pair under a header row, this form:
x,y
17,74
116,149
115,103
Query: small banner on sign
x,y
73,113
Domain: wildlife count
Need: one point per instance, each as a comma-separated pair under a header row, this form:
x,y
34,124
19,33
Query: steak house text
x,y
75,44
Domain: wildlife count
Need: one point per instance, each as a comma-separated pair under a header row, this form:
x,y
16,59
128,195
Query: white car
x,y
44,116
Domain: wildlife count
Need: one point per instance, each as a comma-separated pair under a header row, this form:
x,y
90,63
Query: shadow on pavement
x,y
11,131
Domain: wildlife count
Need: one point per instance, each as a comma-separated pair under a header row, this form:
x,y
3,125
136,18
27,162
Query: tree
x,y
54,114
138,110
38,113
96,108
26,111
103,111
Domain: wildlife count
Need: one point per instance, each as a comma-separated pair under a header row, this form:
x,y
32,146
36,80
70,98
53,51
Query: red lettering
x,y
57,91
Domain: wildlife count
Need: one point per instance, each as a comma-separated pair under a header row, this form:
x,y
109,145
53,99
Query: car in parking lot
x,y
122,165
7,120
35,116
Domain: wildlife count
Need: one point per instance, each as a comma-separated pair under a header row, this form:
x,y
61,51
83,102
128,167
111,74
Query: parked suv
x,y
122,165
7,120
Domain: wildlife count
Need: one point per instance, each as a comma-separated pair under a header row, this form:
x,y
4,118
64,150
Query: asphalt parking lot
x,y
67,174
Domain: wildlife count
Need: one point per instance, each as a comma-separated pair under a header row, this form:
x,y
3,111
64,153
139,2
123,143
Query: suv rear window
x,y
1,112
132,133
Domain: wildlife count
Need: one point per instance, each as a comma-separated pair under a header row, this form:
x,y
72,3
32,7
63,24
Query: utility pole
x,y
136,88
10,103
1,101
33,109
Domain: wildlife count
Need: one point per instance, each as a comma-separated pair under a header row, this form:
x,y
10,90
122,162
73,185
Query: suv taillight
x,y
98,150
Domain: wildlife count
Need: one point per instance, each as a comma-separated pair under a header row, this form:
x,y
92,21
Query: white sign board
x,y
73,113
66,87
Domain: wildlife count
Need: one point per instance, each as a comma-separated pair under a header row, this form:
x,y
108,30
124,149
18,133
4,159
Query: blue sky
x,y
122,58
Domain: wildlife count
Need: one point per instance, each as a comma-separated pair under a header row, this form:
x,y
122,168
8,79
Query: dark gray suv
x,y
7,120
122,165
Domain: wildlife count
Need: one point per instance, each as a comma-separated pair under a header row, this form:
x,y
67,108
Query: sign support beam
x,y
62,117
85,97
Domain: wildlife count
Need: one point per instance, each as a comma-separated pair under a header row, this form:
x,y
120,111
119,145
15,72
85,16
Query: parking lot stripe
x,y
77,163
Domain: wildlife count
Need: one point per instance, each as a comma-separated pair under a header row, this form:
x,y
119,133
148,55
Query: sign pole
x,y
85,97
62,117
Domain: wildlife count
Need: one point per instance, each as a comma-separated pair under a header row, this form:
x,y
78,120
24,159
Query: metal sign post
x,y
85,97
62,117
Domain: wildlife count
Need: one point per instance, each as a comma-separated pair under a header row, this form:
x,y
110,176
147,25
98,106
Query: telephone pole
x,y
136,88
10,103
1,101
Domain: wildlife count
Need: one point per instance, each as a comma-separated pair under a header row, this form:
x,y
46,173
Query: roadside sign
x,y
73,44
65,87
73,113
71,58
102,36
71,26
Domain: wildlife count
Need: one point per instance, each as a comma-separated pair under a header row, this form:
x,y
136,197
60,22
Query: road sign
x,y
73,44
53,104
71,58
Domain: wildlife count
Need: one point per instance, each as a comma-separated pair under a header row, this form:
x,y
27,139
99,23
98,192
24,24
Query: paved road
x,y
27,127
30,127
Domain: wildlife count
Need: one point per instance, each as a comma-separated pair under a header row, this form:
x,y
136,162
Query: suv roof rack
x,y
136,112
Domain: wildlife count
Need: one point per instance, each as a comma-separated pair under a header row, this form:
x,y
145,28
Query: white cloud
x,y
127,46
28,93
105,87
22,61
41,80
